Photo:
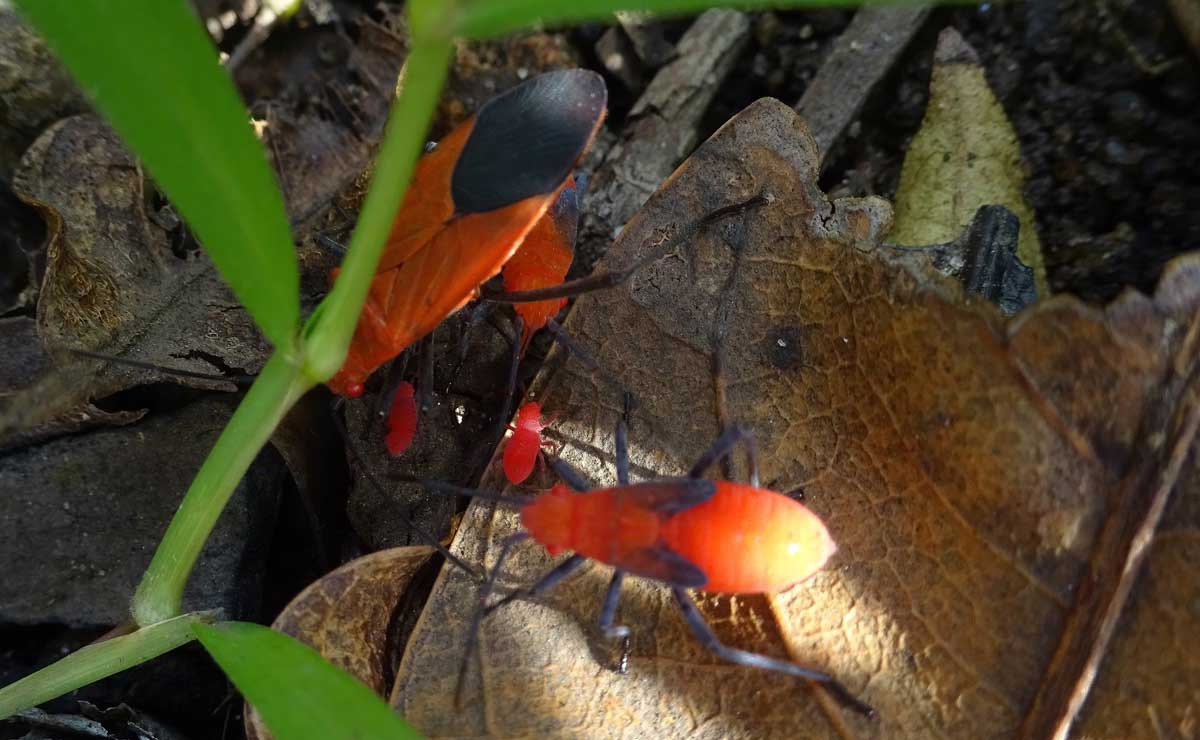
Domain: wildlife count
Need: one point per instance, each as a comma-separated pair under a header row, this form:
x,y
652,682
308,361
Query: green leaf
x,y
298,693
152,70
331,327
99,660
482,18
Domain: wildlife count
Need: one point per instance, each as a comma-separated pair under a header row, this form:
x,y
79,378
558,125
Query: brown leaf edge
x,y
1164,438
345,616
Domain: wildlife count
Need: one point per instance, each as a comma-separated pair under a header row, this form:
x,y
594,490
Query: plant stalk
x,y
159,596
331,327
98,661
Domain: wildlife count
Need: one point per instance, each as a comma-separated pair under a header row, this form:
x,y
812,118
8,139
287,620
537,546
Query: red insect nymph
x,y
523,448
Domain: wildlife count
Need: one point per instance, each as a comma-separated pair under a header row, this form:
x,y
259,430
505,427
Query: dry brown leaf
x,y
113,283
964,464
346,615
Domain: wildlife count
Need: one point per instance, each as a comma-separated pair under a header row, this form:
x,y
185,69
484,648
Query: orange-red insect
x,y
543,260
471,203
402,419
689,533
525,445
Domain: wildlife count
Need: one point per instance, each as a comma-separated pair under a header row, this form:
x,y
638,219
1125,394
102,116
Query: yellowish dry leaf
x,y
965,155
965,464
345,616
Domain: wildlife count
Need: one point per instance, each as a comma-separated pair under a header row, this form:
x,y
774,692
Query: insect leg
x,y
391,383
477,619
235,379
608,615
616,277
425,389
572,477
574,349
547,582
709,639
513,369
418,530
477,316
723,446
622,454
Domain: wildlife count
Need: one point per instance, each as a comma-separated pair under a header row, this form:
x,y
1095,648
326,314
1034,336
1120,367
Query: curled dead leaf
x,y
965,464
113,281
346,615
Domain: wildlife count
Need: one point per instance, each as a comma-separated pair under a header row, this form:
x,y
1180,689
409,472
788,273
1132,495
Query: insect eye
x,y
354,390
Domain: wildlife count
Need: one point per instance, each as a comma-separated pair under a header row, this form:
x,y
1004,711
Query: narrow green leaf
x,y
150,67
483,18
299,694
99,660
331,327
276,389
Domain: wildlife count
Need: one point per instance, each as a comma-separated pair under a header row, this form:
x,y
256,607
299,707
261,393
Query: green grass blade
x,y
276,389
331,326
484,18
299,694
99,660
152,70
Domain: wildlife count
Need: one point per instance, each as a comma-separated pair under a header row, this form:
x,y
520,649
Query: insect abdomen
x,y
520,454
750,540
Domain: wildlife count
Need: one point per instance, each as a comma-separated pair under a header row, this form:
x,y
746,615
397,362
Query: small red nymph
x,y
523,448
402,419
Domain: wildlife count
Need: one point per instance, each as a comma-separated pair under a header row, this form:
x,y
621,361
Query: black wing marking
x,y
664,564
525,141
669,497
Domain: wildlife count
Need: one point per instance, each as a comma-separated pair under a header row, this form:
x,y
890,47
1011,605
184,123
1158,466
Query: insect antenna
x,y
437,486
418,530
238,379
609,279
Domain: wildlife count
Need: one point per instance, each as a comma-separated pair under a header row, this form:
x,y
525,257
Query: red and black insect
x,y
544,258
472,201
689,533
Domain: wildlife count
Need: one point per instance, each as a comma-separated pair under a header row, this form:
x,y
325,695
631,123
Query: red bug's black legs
x,y
513,369
477,316
425,383
574,349
608,615
437,486
570,345
622,454
395,371
572,477
709,639
418,530
477,620
547,582
616,277
723,446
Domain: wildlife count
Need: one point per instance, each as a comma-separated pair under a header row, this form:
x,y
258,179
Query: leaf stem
x,y
100,660
160,595
331,326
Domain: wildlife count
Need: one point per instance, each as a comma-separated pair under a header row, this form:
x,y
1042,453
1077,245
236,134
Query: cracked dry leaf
x,y
346,616
964,156
963,463
114,284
